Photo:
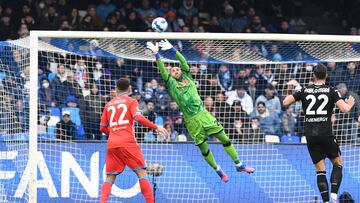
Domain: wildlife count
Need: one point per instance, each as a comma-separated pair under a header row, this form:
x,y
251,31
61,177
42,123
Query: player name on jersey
x,y
317,90
318,119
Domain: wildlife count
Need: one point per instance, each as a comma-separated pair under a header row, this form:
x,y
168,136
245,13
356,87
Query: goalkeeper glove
x,y
154,48
166,45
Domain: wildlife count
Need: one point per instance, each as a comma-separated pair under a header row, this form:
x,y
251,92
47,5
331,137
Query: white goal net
x,y
242,80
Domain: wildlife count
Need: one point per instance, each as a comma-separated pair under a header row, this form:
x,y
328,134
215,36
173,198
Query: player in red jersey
x,y
122,150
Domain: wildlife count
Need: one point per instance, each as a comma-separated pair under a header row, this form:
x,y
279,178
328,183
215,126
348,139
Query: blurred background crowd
x,y
245,98
253,16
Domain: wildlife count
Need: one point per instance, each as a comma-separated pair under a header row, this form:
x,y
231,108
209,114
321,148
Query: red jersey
x,y
118,118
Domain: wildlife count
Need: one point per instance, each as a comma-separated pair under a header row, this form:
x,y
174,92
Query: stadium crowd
x,y
246,99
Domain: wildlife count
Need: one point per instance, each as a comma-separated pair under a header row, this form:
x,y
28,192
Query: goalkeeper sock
x,y
208,155
323,185
335,179
229,148
105,191
146,189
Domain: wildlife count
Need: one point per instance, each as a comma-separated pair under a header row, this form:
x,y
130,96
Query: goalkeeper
x,y
199,122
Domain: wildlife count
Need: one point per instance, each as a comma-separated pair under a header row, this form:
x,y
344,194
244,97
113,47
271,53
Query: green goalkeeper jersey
x,y
184,91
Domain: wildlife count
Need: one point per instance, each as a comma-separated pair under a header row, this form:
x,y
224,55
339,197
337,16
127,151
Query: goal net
x,y
242,80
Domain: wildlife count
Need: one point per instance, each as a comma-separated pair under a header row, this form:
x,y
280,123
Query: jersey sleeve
x,y
183,63
104,118
335,95
134,109
298,95
163,71
104,124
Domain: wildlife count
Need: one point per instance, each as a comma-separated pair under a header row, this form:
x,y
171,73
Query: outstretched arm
x,y
166,45
288,101
159,63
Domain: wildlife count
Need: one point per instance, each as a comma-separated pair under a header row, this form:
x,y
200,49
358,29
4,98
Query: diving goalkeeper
x,y
198,121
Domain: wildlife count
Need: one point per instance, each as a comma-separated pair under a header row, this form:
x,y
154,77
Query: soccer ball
x,y
159,24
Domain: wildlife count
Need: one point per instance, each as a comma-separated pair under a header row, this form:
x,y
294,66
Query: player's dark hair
x,y
320,71
123,84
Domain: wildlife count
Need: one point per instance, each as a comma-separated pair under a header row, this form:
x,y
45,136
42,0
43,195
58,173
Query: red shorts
x,y
118,158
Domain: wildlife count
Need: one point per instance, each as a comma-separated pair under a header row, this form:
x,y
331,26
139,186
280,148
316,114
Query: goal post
x,y
210,48
33,118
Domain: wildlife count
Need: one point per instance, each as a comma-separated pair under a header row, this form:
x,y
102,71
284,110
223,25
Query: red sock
x,y
105,191
146,190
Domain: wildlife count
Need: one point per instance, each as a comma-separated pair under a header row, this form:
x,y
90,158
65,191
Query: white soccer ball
x,y
159,24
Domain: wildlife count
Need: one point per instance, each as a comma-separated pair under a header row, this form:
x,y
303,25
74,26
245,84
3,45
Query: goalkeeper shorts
x,y
202,125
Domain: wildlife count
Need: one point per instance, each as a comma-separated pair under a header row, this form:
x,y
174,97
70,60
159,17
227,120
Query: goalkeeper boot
x,y
222,175
244,168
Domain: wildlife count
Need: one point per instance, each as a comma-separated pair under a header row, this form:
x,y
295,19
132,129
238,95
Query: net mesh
x,y
77,77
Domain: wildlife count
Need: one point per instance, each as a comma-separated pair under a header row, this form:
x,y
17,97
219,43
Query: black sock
x,y
323,185
336,177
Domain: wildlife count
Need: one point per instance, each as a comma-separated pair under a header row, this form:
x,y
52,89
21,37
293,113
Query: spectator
x,y
256,24
255,134
241,95
345,93
6,27
221,106
209,87
96,19
136,95
105,8
261,80
285,27
269,122
29,21
150,111
164,8
214,25
288,122
209,105
230,23
145,10
225,78
352,77
112,22
47,93
187,11
173,113
173,23
94,108
162,99
173,133
63,8
274,54
60,86
149,19
133,23
74,19
241,76
334,73
253,88
50,20
81,75
282,77
66,129
235,116
271,100
87,23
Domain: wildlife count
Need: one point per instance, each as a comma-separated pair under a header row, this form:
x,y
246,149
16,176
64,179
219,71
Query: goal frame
x,y
34,53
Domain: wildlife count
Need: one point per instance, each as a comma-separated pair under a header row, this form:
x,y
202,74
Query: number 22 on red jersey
x,y
118,114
